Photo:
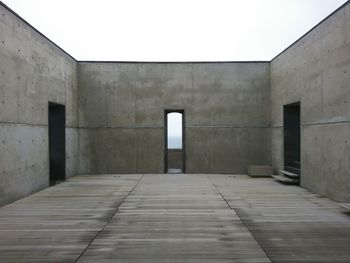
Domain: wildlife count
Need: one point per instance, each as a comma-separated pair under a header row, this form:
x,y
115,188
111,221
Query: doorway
x,y
291,116
57,142
174,141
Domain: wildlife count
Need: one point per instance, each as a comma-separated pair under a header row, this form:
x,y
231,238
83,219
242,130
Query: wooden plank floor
x,y
58,223
174,218
289,222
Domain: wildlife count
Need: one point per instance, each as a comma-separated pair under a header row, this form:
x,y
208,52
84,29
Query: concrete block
x,y
260,170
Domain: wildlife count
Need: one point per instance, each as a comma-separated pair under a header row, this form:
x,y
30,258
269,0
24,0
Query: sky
x,y
174,30
174,130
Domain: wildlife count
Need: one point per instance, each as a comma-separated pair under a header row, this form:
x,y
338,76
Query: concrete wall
x,y
233,111
121,115
316,72
33,71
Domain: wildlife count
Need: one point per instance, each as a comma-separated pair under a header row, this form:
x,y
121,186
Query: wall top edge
x,y
171,62
36,30
312,29
168,62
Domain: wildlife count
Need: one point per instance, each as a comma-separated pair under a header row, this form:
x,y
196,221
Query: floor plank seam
x,y
176,219
109,220
242,221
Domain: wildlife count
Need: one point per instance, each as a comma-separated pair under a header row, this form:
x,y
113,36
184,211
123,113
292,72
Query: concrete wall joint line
x,y
121,127
30,124
226,127
325,123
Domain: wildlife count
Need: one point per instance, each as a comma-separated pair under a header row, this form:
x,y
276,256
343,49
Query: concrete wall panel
x,y
325,152
24,160
277,157
316,72
226,150
122,150
237,92
126,103
162,86
149,155
72,154
33,71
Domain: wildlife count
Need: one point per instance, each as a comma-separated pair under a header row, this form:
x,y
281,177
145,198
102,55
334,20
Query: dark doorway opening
x,y
174,141
291,116
57,142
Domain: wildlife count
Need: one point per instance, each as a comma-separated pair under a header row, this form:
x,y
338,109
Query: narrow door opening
x,y
292,140
174,141
57,143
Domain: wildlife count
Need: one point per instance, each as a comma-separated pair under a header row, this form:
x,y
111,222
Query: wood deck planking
x,y
58,223
174,218
289,222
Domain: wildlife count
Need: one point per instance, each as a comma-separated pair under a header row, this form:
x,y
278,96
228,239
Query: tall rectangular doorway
x,y
291,116
57,142
174,141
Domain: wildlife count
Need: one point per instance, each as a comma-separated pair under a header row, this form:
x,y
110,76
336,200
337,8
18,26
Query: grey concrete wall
x,y
316,72
33,71
233,111
121,115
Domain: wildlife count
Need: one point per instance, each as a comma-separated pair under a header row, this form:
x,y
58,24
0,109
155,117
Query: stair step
x,y
346,205
285,179
292,169
289,174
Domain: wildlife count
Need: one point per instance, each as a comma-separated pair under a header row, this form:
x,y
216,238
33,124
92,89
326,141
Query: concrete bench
x,y
260,170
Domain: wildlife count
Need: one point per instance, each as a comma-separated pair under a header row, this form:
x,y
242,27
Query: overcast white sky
x,y
174,124
173,30
174,130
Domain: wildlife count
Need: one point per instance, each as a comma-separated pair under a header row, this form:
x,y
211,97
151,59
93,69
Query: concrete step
x,y
285,179
289,174
292,169
345,205
174,171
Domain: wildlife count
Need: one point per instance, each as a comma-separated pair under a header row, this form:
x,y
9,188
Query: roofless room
x,y
174,131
